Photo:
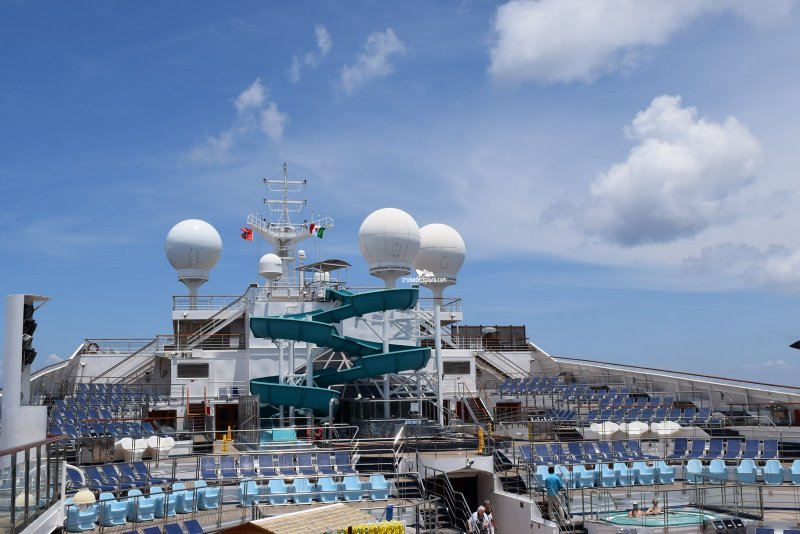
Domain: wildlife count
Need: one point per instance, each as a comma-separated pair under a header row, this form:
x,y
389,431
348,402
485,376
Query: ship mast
x,y
278,229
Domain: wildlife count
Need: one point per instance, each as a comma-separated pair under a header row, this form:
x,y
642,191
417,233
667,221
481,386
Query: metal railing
x,y
31,482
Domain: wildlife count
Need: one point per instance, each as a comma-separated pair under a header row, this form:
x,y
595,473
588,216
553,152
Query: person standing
x,y
479,522
554,486
487,504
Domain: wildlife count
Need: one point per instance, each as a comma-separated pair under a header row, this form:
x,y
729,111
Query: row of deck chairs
x,y
687,416
114,429
104,392
287,465
583,453
747,472
609,475
618,401
725,450
303,491
115,477
138,507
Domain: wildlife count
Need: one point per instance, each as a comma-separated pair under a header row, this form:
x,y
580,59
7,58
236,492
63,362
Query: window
x,y
455,368
193,370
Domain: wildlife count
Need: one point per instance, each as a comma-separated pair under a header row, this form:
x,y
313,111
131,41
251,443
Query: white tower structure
x,y
279,230
440,257
193,248
389,241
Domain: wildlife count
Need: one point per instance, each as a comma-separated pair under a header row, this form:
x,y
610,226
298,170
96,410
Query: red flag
x,y
247,233
311,228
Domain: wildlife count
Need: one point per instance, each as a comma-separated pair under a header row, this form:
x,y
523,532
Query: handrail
x,y
216,320
31,445
116,365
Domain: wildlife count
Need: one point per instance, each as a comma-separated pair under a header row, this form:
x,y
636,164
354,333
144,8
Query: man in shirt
x,y
553,484
479,522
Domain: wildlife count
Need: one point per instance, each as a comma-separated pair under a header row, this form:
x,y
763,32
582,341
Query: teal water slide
x,y
316,327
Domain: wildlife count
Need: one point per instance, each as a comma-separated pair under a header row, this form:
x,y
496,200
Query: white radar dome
x,y
389,240
193,248
270,267
441,253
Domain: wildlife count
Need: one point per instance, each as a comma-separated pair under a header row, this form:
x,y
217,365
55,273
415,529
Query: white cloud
x,y
254,112
781,364
681,178
569,40
273,121
776,267
311,59
374,61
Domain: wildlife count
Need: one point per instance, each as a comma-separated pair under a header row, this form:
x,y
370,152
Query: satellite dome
x,y
193,248
270,267
389,240
441,252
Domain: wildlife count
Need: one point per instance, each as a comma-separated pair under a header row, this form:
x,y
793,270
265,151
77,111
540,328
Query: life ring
x,y
92,348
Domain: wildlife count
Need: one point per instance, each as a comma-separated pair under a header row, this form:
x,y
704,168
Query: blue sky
x,y
623,173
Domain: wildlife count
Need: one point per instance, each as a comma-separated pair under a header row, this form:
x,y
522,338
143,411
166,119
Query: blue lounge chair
x,y
247,466
770,449
621,452
266,465
326,489
679,449
79,520
378,488
717,472
185,499
112,511
608,476
248,493
565,474
277,491
590,453
526,454
796,472
227,468
540,474
305,466
173,528
750,449
208,468
352,488
193,527
140,508
714,449
324,464
344,463
746,471
207,498
733,450
698,449
695,471
584,477
644,474
165,504
144,473
303,490
575,451
627,476
286,465
773,472
121,479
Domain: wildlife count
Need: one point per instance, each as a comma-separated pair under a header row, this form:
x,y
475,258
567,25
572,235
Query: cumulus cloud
x,y
775,267
374,61
780,364
569,40
254,113
681,178
313,58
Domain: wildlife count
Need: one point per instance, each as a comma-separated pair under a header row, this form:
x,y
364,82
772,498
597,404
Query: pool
x,y
673,518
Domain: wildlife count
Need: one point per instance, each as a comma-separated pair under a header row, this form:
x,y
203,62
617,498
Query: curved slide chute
x,y
315,327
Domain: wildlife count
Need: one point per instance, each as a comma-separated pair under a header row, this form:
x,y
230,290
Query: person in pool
x,y
655,509
635,512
